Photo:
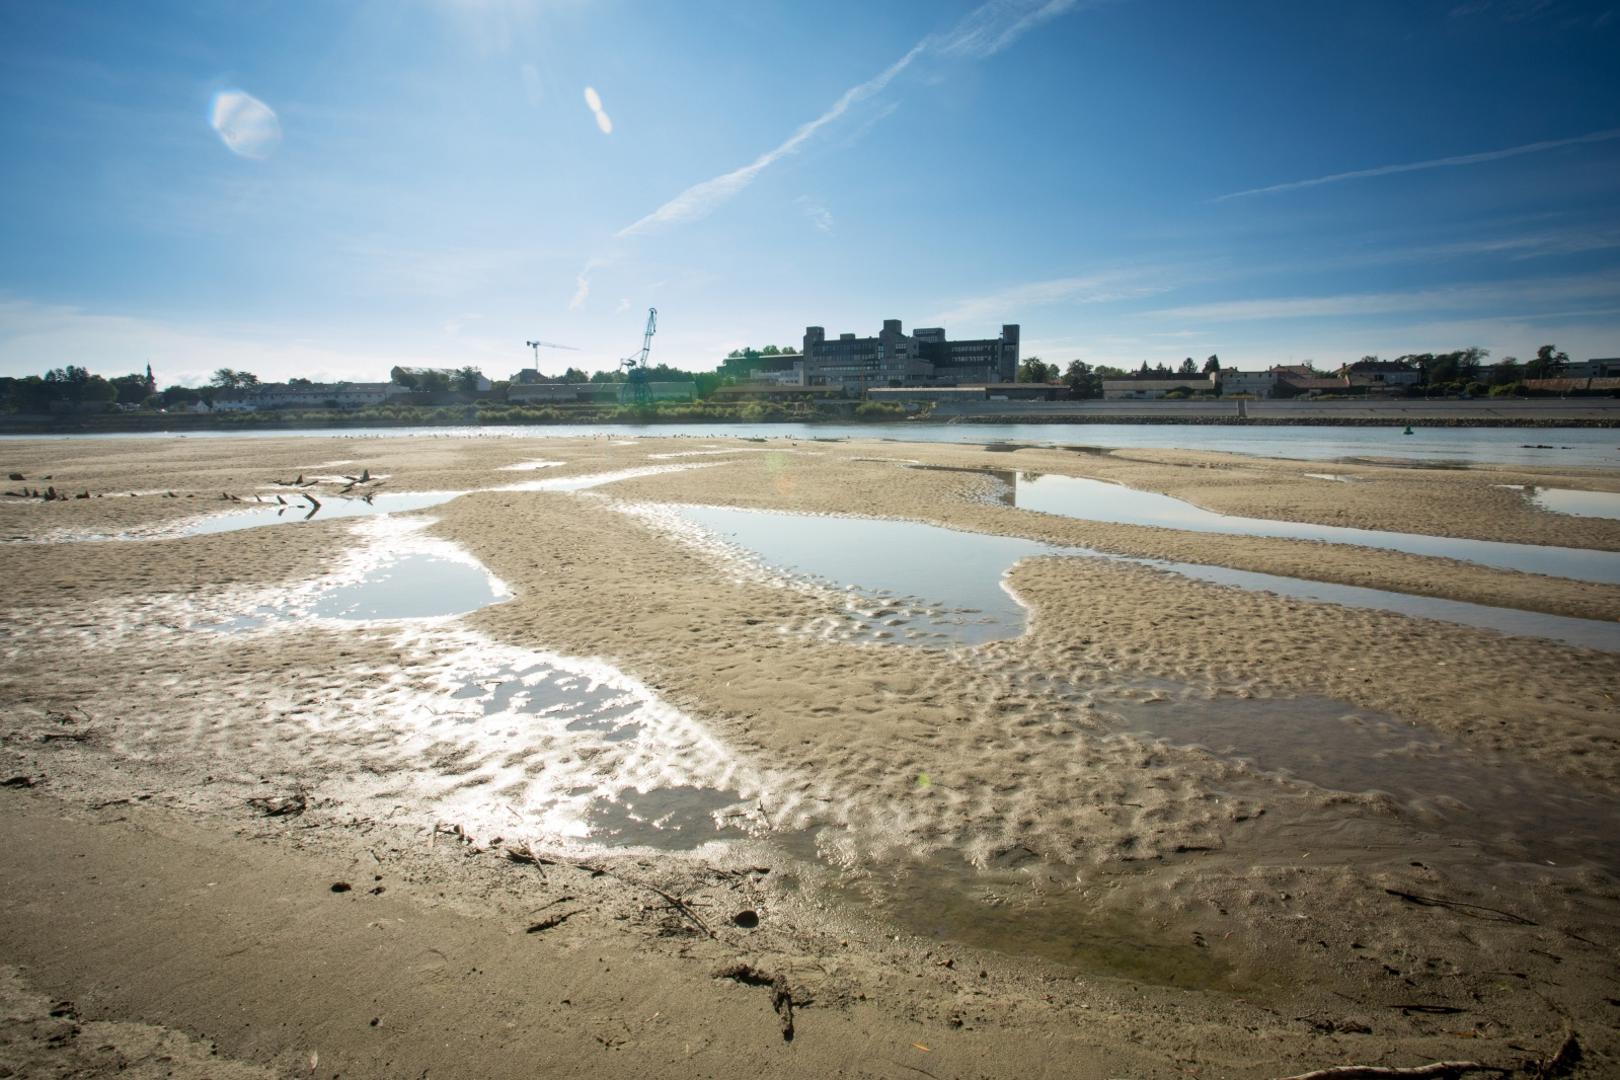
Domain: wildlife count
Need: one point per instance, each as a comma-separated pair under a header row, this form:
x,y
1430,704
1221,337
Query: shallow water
x,y
1603,504
1099,500
914,581
297,510
416,586
1512,809
944,581
1506,445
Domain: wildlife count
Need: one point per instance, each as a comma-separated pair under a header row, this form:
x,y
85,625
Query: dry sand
x,y
964,861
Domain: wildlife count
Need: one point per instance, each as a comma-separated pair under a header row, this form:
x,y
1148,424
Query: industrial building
x,y
924,357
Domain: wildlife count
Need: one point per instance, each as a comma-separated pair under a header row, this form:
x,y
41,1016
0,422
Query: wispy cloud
x,y
1459,298
35,336
1433,163
1100,288
699,200
983,32
818,214
582,282
996,25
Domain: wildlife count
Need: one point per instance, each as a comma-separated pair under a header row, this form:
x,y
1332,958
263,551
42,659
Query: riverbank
x,y
961,861
1596,412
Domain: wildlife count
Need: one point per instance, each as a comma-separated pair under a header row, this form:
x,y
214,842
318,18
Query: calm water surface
x,y
1099,500
1515,446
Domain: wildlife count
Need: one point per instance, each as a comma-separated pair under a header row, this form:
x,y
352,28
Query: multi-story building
x,y
345,395
924,357
1601,368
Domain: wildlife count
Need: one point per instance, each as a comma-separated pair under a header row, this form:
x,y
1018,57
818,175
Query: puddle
x,y
530,466
410,587
917,584
1513,809
913,583
666,819
1097,500
574,752
1601,504
391,573
1587,633
298,509
1340,477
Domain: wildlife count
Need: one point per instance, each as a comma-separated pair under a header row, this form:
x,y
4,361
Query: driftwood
x,y
1438,1070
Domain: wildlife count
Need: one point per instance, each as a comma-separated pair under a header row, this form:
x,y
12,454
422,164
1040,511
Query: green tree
x,y
770,350
1083,382
1212,365
1032,369
1506,372
575,375
1188,367
1548,364
467,379
432,381
402,376
131,389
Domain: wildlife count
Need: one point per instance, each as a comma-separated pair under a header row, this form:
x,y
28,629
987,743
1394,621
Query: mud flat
x,y
575,775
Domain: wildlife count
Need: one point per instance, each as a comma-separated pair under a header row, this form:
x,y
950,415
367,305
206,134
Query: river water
x,y
1453,445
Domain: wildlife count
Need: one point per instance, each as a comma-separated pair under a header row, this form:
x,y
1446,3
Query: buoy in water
x,y
1408,430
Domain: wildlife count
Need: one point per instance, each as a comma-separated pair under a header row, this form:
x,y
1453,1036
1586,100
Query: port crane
x,y
637,390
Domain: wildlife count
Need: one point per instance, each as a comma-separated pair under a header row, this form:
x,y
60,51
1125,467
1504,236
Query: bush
x,y
879,410
1512,389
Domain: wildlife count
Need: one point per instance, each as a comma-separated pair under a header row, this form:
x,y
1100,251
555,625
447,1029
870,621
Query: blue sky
x,y
329,189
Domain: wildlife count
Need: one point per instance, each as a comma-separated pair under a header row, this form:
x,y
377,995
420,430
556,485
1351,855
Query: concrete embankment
x,y
1533,412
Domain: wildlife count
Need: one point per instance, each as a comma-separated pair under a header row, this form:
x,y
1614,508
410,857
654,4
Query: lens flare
x,y
247,126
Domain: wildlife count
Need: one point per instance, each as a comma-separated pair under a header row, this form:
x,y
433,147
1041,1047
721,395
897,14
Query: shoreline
x,y
1450,413
964,861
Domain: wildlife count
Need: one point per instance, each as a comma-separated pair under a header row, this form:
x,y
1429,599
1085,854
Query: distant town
x,y
890,373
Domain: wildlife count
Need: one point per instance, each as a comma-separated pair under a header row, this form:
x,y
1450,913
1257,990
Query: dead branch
x,y
1439,1070
556,920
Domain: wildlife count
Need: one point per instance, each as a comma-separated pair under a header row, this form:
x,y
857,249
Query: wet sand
x,y
971,851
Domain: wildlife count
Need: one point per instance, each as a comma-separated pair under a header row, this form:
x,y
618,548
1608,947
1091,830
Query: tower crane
x,y
538,345
637,389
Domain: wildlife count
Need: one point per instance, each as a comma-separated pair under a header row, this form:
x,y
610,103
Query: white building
x,y
1258,383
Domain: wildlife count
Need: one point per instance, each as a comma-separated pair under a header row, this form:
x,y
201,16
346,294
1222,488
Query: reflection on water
x,y
410,587
1098,500
1507,445
1603,504
1513,809
917,584
679,818
944,581
297,509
